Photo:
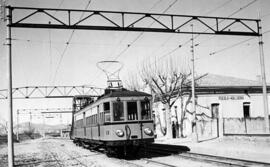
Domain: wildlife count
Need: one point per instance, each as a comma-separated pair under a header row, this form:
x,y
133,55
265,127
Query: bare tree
x,y
134,82
166,81
4,126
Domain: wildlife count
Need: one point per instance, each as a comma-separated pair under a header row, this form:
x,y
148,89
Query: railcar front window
x,y
118,111
145,106
132,110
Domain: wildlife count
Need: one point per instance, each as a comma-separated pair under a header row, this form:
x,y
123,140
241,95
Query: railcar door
x,y
146,121
84,125
98,122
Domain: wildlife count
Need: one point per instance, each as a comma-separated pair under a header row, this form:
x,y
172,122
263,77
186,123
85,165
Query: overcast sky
x,y
37,52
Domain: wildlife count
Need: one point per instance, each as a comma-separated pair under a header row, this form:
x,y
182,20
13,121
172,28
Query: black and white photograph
x,y
134,83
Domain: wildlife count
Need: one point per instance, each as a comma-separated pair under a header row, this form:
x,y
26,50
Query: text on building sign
x,y
231,97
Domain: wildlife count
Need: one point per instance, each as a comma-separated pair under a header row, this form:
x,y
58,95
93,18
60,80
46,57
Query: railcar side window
x,y
118,111
106,107
132,110
87,121
145,106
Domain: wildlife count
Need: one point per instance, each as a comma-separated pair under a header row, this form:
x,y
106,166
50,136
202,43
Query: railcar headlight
x,y
148,131
119,133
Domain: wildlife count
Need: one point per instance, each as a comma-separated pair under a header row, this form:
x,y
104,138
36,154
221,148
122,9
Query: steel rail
x,y
159,163
222,159
168,150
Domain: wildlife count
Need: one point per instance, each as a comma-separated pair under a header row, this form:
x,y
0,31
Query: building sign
x,y
231,97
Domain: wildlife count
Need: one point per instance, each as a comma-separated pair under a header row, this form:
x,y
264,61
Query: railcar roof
x,y
123,93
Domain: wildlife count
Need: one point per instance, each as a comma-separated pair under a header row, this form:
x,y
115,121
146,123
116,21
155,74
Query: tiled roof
x,y
213,80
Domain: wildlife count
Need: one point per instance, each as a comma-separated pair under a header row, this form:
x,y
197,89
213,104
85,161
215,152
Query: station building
x,y
224,106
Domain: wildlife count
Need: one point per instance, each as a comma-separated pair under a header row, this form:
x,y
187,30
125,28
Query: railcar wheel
x,y
110,151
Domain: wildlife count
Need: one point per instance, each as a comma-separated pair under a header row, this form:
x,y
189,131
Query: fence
x,y
243,126
207,129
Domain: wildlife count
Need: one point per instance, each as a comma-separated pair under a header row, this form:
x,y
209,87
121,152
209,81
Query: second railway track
x,y
184,152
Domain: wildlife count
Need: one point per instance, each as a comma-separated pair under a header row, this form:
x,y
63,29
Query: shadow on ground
x,y
153,150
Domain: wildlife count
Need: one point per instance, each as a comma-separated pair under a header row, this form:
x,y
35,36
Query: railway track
x,y
222,160
55,159
126,162
51,156
183,152
70,156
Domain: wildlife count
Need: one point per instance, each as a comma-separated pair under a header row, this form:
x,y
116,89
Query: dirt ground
x,y
55,153
61,153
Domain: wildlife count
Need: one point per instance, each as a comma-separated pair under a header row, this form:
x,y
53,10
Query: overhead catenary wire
x,y
50,56
237,11
77,43
218,7
67,44
247,5
58,7
141,33
50,43
236,44
189,40
125,35
179,46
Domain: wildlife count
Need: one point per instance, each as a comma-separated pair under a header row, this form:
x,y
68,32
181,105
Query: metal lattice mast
x,y
265,98
9,96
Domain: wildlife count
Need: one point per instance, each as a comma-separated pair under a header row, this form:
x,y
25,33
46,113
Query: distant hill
x,y
40,127
2,129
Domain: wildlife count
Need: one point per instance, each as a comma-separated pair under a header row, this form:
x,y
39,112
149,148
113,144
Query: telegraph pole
x,y
265,100
30,121
9,97
194,121
43,122
17,125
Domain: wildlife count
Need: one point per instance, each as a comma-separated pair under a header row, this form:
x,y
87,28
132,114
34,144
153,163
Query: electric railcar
x,y
119,120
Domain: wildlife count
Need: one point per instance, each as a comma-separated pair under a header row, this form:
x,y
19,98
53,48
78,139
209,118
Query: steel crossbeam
x,y
131,21
45,110
52,92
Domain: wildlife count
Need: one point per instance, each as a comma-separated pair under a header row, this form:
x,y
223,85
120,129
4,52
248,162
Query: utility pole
x,y
43,122
30,120
17,125
10,102
194,121
265,100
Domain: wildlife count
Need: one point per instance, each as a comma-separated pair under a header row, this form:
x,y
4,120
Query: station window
x,y
246,109
132,111
145,106
118,111
106,107
215,110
